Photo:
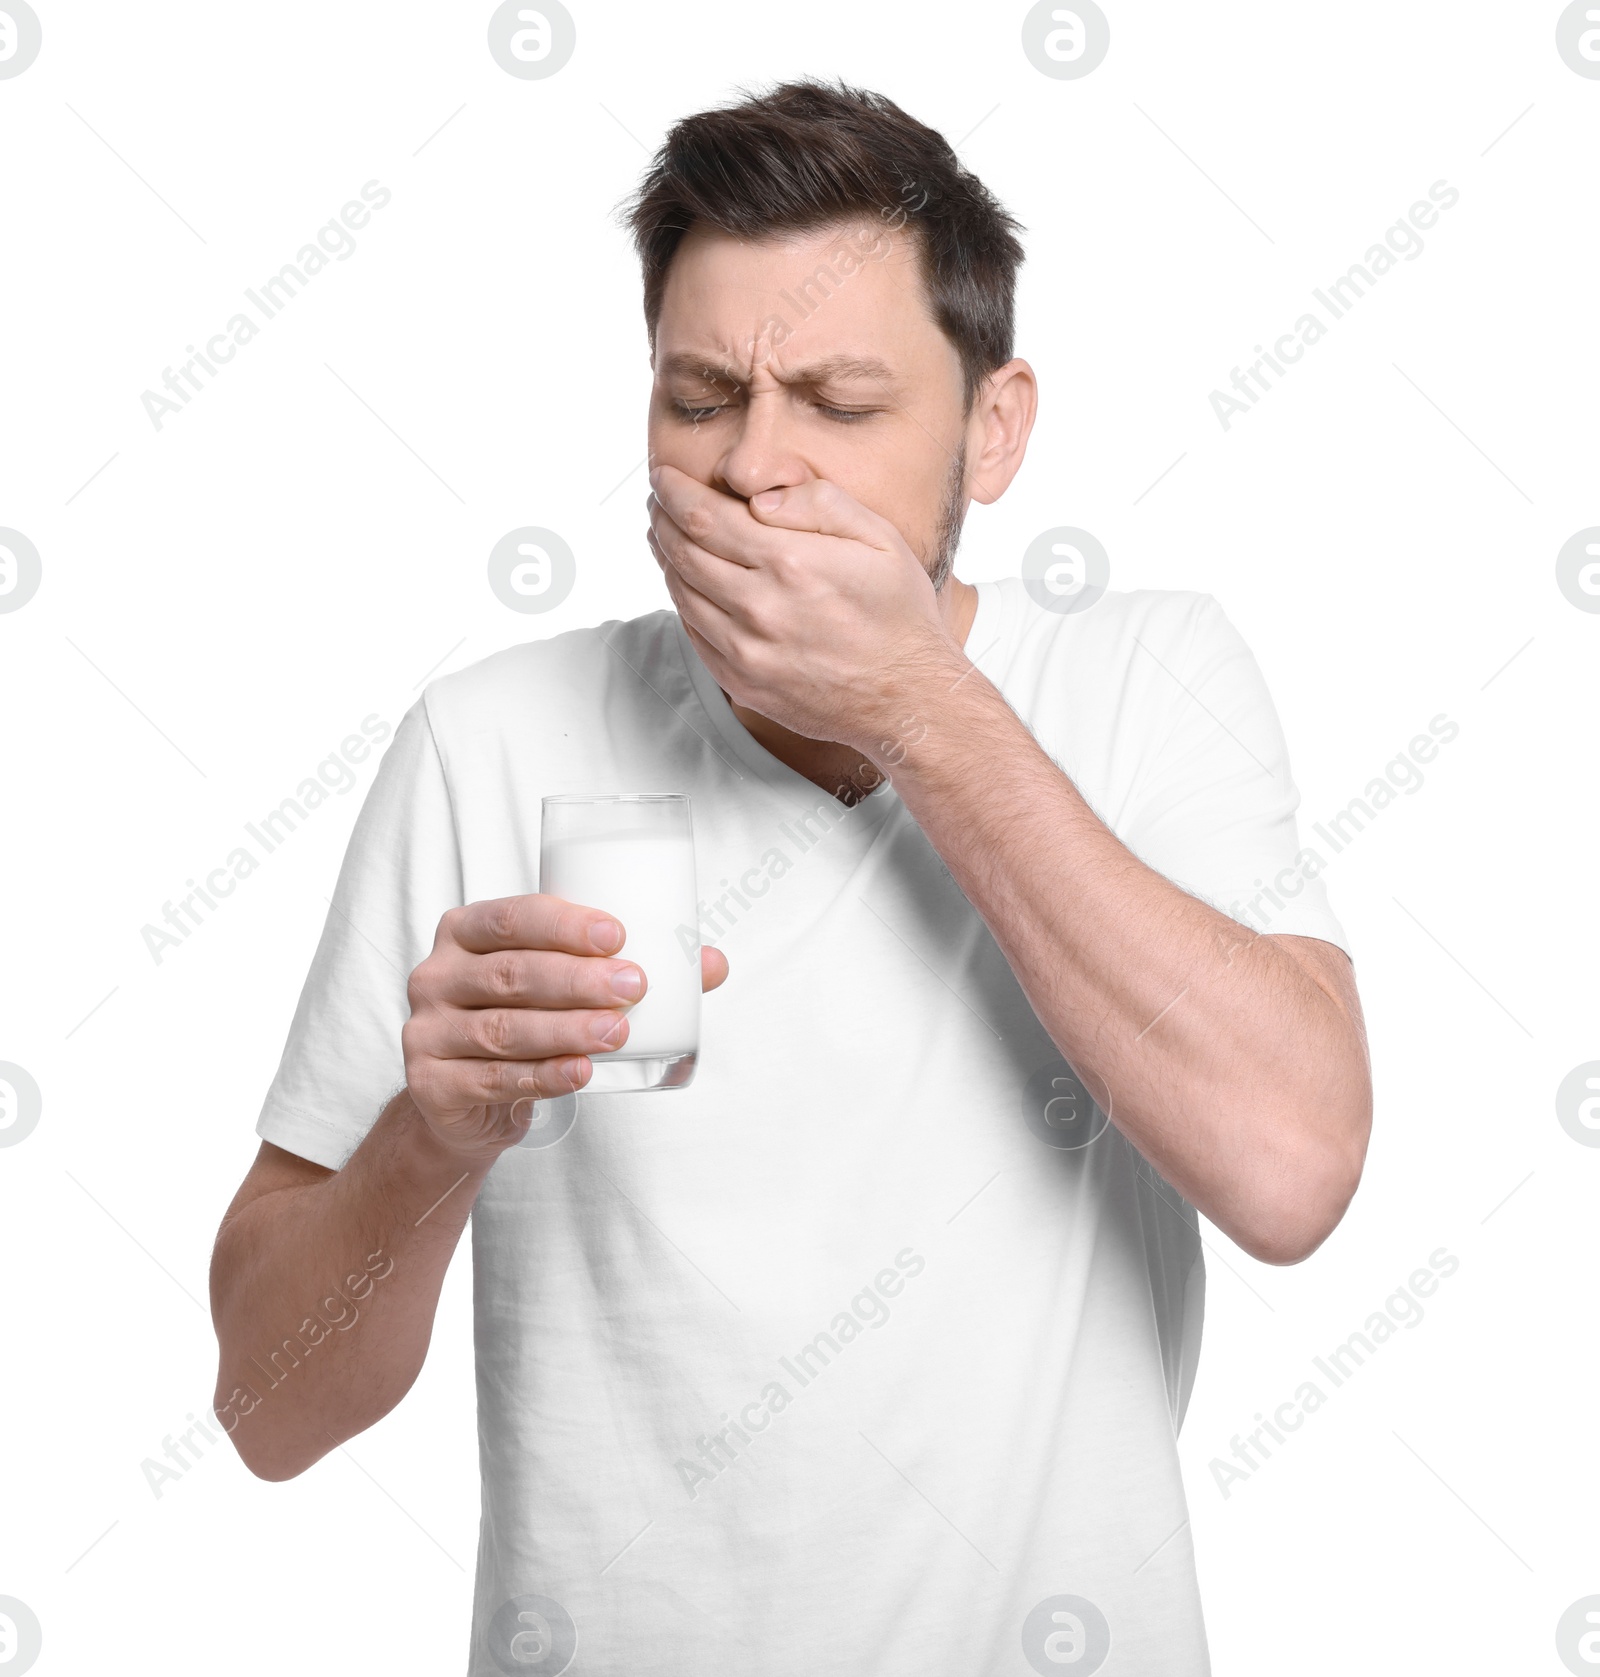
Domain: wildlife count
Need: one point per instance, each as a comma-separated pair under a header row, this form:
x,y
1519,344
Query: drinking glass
x,y
631,855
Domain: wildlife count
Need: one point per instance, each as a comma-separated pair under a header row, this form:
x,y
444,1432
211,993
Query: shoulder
x,y
1107,690
560,668
1126,634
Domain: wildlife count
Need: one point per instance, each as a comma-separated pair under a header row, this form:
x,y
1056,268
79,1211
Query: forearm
x,y
1218,1055
323,1294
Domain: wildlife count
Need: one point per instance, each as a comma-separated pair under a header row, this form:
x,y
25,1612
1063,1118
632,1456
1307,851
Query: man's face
x,y
813,355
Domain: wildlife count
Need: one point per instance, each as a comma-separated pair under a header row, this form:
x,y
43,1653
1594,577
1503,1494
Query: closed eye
x,y
843,416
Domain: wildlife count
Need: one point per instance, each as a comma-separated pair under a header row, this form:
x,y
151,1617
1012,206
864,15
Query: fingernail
x,y
767,499
655,476
627,984
570,1071
605,934
613,1034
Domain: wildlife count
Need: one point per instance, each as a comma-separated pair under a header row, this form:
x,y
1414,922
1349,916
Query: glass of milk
x,y
631,855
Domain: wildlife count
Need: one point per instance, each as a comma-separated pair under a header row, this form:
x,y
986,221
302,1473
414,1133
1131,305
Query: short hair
x,y
807,155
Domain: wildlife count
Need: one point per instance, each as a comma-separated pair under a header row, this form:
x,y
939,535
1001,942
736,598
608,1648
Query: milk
x,y
646,882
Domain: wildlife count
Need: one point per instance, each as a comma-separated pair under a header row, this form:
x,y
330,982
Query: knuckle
x,y
422,985
424,1080
488,1079
502,918
505,973
449,929
410,1046
754,662
494,1029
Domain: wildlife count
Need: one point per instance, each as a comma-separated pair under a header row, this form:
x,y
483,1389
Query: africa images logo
x,y
533,1633
20,38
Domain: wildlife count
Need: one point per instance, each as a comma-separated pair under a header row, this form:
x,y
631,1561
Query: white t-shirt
x,y
853,1357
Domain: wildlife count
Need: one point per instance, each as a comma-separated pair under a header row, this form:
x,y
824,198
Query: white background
x,y
224,599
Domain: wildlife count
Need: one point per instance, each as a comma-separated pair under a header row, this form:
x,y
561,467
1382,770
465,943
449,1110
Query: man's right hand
x,y
515,996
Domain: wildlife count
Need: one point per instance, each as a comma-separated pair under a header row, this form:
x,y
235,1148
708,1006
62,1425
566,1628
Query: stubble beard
x,y
952,515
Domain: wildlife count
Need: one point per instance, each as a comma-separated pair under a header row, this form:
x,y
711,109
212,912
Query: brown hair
x,y
806,155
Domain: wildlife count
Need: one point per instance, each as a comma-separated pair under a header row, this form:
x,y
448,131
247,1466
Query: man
x,y
865,1353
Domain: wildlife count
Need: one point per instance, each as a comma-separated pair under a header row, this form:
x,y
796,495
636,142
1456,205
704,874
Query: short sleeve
x,y
342,1061
1214,807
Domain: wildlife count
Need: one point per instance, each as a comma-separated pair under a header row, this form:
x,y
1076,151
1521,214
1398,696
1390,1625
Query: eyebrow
x,y
830,368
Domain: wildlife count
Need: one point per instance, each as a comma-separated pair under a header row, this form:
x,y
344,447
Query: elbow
x,y
1295,1214
1292,1239
274,1469
267,1456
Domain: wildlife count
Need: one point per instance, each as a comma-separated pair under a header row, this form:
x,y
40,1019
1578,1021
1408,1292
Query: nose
x,y
762,454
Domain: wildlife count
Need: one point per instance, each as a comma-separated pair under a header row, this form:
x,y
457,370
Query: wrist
x,y
431,1162
907,707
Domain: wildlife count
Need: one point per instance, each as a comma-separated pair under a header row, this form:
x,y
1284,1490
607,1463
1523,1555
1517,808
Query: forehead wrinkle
x,y
690,363
818,370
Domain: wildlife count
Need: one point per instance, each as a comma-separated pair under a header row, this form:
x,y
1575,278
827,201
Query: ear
x,y
999,428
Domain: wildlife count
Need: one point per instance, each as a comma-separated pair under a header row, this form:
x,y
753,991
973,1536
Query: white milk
x,y
647,883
